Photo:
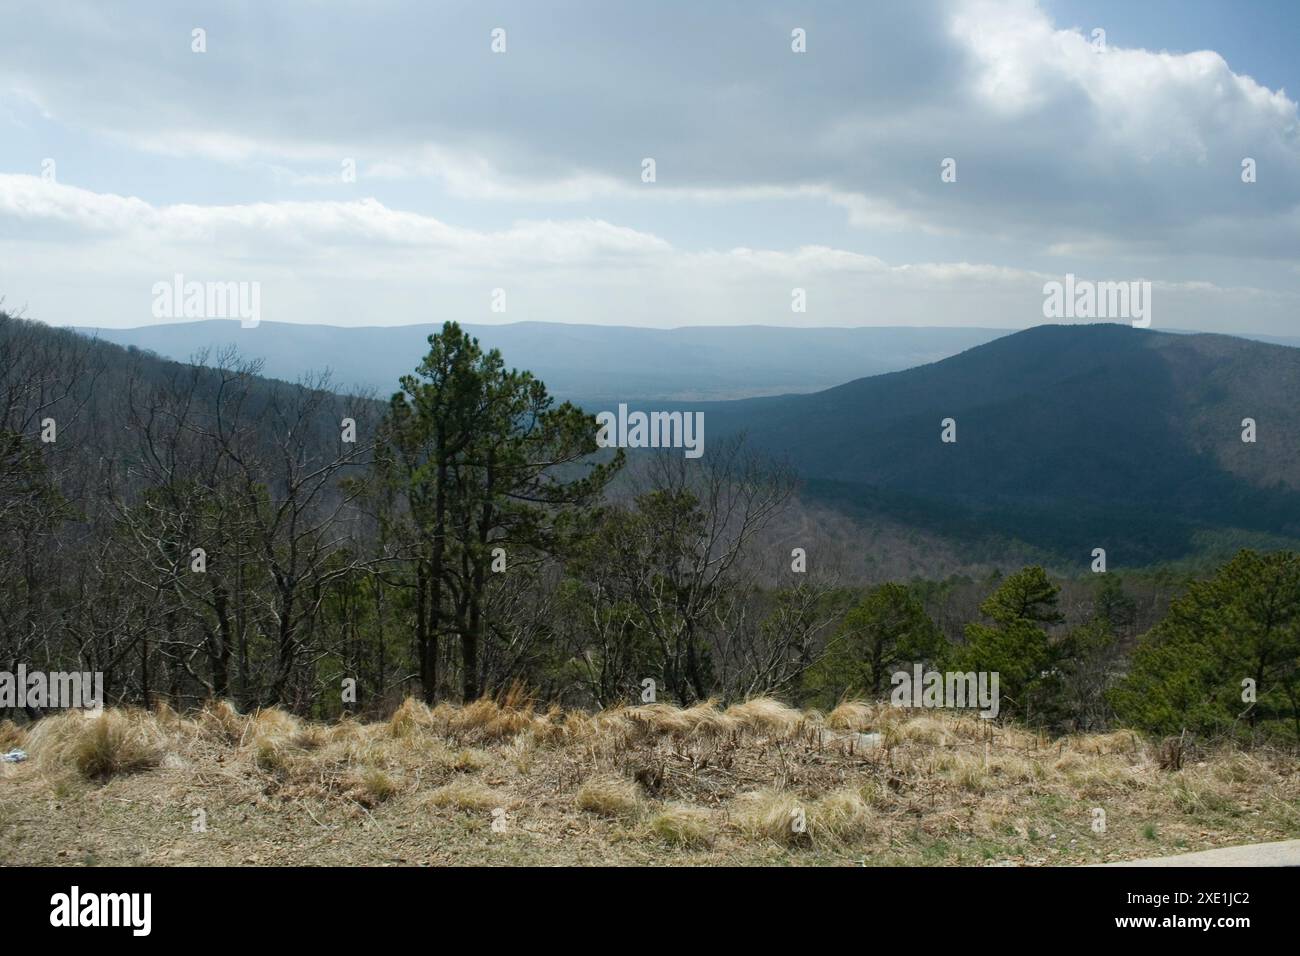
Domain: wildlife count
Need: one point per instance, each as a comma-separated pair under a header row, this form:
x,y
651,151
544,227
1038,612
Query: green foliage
x,y
490,468
1028,595
1241,625
887,629
1016,644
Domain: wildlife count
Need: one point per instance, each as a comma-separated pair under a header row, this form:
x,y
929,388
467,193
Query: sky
x,y
500,152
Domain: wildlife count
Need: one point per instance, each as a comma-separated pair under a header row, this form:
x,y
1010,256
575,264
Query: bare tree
x,y
679,553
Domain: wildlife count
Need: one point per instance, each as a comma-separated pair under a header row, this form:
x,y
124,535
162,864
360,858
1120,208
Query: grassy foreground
x,y
505,784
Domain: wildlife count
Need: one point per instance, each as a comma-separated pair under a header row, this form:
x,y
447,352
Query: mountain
x,y
588,363
1069,438
100,395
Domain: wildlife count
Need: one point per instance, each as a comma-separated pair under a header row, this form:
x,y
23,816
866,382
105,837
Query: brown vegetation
x,y
757,782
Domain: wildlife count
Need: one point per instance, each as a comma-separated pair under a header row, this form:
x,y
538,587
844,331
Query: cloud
x,y
361,261
774,168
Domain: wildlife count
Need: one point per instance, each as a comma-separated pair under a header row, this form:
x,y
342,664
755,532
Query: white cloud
x,y
360,261
1114,163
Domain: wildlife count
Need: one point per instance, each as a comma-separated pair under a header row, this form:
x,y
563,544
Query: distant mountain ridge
x,y
1068,437
588,363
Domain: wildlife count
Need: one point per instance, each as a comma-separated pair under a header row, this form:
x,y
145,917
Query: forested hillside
x,y
1064,438
198,532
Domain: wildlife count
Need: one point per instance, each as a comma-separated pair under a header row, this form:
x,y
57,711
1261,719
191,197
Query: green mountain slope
x,y
1068,438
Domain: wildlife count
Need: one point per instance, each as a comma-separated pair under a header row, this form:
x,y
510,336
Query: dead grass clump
x,y
1016,768
167,718
839,817
1192,795
467,760
271,723
1242,768
474,716
765,714
930,731
833,819
372,786
1070,762
370,747
965,770
521,753
11,735
855,715
485,720
770,815
311,737
463,794
116,742
348,731
575,725
609,796
517,697
682,825
659,718
220,721
705,719
271,734
1092,775
554,727
410,718
609,727
270,755
1016,738
510,723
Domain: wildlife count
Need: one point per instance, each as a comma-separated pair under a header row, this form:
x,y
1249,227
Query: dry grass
x,y
926,730
833,819
765,714
681,825
466,795
116,742
466,760
658,718
841,817
609,796
373,786
412,717
648,784
855,715
11,736
769,815
221,721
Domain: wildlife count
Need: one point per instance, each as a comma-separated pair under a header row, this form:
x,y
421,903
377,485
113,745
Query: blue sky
x,y
775,170
1255,37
